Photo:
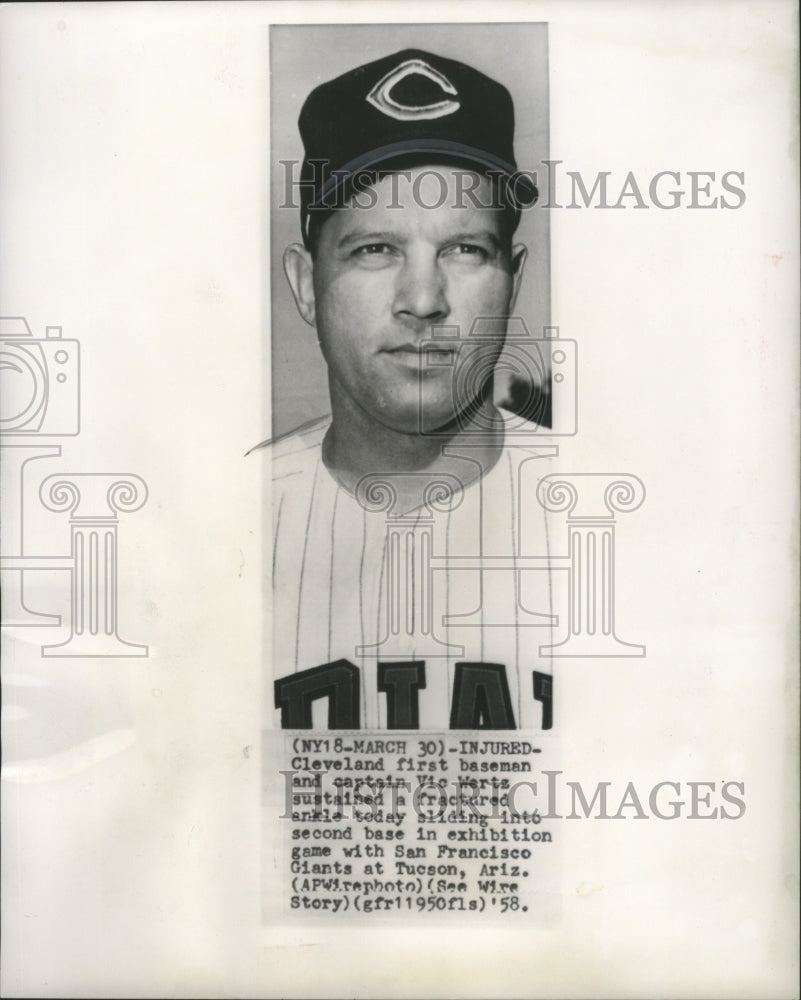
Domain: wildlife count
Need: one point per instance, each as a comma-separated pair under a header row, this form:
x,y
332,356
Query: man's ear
x,y
298,267
519,255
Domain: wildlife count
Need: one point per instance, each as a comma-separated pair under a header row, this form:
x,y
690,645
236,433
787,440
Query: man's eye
x,y
374,256
470,251
372,250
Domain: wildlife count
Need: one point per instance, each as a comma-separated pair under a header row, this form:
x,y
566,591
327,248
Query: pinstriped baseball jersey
x,y
437,586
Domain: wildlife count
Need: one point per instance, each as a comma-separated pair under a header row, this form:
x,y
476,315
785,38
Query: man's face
x,y
384,276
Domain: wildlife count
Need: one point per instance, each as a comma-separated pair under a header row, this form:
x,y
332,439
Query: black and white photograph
x,y
399,497
386,506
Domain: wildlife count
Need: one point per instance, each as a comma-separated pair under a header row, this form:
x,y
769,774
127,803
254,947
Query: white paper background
x,y
131,216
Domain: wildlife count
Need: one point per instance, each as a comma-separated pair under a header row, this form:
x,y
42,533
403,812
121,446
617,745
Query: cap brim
x,y
524,189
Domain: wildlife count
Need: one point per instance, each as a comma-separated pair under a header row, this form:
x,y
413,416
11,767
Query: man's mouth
x,y
429,354
416,348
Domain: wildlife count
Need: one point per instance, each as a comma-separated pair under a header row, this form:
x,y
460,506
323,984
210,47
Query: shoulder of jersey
x,y
292,453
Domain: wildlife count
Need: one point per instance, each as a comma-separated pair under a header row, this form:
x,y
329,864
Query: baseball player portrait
x,y
397,516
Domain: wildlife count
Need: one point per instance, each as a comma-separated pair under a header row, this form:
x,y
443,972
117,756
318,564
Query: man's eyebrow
x,y
376,236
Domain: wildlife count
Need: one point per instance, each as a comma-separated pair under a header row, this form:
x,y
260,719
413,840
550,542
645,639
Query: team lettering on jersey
x,y
481,697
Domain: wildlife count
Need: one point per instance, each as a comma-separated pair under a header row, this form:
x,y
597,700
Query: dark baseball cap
x,y
409,108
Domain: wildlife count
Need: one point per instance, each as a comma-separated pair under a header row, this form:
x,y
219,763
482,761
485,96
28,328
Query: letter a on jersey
x,y
381,94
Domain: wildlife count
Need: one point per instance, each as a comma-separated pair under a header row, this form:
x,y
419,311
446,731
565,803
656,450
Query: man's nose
x,y
420,291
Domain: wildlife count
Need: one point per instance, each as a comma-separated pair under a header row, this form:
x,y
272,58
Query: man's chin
x,y
417,423
435,414
428,423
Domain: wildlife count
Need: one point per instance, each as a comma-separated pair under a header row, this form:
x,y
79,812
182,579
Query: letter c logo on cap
x,y
381,94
